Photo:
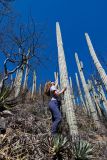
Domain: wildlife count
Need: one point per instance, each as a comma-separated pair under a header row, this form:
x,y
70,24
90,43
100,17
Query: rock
x,y
7,113
2,125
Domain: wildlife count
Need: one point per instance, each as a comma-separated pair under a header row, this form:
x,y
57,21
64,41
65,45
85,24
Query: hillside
x,y
28,134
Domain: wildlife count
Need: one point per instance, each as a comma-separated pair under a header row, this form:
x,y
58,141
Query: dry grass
x,y
29,127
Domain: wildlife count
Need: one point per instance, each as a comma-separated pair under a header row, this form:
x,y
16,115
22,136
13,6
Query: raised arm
x,y
58,93
56,84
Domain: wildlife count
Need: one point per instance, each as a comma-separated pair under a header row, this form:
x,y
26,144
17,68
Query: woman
x,y
52,91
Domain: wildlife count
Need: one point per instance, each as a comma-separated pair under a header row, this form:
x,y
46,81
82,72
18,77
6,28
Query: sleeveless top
x,y
53,96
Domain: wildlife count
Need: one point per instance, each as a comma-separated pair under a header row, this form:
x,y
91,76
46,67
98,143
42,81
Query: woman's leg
x,y
53,105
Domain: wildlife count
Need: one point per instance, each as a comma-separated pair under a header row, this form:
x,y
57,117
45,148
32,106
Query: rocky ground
x,y
28,134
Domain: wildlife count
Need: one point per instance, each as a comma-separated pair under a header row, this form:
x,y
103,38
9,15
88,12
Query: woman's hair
x,y
47,88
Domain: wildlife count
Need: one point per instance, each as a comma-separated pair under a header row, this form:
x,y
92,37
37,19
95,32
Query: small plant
x,y
4,103
59,144
7,100
55,146
82,150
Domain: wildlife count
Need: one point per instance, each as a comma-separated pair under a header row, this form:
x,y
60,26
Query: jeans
x,y
56,115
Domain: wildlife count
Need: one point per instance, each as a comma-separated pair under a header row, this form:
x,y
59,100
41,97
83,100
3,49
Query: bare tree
x,y
16,46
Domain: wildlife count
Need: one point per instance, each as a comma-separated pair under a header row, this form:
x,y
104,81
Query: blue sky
x,y
75,17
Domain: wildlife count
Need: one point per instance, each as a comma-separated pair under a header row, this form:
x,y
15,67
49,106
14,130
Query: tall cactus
x,y
88,106
64,81
102,95
96,61
56,78
80,94
92,109
26,77
34,85
18,81
95,99
26,73
72,91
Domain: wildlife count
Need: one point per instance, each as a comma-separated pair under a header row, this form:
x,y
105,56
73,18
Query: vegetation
x,y
82,150
25,120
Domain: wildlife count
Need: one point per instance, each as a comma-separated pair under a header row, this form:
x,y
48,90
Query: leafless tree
x,y
19,42
19,46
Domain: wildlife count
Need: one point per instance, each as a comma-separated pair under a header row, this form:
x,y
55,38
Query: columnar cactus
x,y
92,109
18,81
72,91
102,95
26,72
88,106
95,98
26,77
96,61
34,85
64,81
80,93
56,78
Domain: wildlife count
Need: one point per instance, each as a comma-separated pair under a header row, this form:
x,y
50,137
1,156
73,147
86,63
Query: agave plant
x,y
6,99
82,150
3,98
59,144
55,146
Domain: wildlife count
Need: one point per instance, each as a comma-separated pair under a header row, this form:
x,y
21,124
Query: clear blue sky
x,y
75,17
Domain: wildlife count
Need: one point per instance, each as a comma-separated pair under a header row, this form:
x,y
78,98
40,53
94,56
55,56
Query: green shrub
x,y
82,150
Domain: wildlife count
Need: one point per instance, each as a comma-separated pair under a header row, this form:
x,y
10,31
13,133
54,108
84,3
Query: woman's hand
x,y
65,88
58,93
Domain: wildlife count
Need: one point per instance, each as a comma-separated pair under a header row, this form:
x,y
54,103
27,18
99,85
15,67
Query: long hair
x,y
47,88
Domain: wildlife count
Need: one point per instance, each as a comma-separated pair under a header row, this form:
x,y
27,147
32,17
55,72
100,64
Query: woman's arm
x,y
56,84
60,92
